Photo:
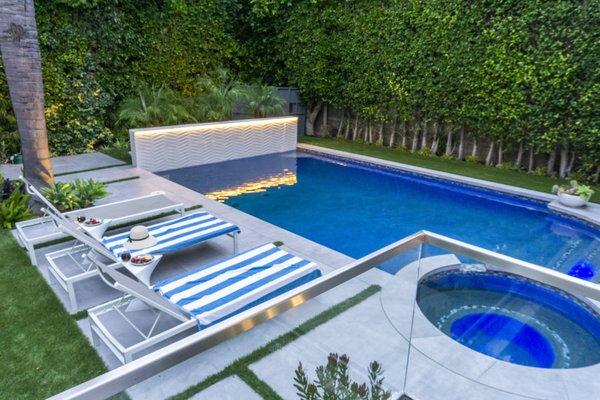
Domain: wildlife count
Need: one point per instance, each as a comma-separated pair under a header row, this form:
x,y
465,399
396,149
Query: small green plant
x,y
472,159
15,207
88,191
333,382
574,189
71,196
505,165
539,171
425,151
447,157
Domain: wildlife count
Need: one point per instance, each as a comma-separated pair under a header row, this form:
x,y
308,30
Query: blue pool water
x,y
511,318
357,209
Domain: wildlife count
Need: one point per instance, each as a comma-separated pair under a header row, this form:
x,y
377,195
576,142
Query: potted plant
x,y
574,195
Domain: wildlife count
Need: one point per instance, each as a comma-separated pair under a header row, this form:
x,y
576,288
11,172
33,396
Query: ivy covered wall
x,y
97,52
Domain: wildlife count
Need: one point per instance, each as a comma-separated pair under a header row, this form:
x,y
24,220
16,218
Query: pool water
x,y
356,209
511,318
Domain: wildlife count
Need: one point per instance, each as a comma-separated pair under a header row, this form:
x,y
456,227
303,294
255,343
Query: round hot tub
x,y
512,318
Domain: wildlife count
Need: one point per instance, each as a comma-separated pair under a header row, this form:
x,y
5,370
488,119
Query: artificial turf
x,y
43,350
241,367
473,170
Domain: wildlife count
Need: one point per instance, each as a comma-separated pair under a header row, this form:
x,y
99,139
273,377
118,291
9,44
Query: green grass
x,y
240,367
473,170
118,153
43,351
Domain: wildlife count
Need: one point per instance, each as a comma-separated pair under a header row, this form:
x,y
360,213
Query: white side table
x,y
143,272
96,231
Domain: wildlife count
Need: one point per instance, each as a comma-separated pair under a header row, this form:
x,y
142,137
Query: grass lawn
x,y
479,171
43,350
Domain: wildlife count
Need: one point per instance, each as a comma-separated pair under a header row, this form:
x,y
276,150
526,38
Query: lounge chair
x,y
173,235
199,298
44,229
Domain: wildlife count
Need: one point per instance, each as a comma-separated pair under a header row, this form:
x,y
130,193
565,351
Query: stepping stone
x,y
232,388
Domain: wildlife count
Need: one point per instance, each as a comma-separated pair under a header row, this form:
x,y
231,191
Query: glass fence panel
x,y
481,331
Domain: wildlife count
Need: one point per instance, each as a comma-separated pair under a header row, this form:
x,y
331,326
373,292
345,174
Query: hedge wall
x,y
96,52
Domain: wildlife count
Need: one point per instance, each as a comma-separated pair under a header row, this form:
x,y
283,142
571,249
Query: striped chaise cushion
x,y
175,234
219,291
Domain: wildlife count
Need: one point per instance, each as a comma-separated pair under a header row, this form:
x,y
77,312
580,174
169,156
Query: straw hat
x,y
139,238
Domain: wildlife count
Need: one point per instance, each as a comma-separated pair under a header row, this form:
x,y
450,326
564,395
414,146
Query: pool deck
x,y
589,213
434,372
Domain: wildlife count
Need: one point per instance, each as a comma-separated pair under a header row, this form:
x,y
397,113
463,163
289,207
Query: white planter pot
x,y
570,200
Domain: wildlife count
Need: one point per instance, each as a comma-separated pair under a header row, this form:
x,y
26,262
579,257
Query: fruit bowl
x,y
92,222
141,260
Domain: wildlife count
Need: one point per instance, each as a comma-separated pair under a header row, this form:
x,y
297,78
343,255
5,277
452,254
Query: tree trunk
x,y
424,134
449,143
324,131
380,134
370,132
571,163
355,130
531,163
490,155
564,159
404,134
341,125
551,162
415,138
519,155
597,175
21,58
347,128
474,148
461,144
311,117
500,152
392,141
436,139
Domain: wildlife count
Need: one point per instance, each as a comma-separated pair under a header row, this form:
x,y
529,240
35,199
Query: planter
x,y
571,200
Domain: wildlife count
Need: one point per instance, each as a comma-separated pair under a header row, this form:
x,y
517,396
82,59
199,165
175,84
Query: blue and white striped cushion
x,y
175,234
214,293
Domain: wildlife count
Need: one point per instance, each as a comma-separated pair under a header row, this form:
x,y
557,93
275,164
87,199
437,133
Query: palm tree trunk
x,y
21,57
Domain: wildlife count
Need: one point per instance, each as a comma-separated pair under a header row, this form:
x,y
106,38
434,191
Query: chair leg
x,y
72,297
235,243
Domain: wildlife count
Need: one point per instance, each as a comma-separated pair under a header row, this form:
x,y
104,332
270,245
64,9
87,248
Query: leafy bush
x,y
218,96
425,151
261,100
333,382
472,159
81,193
153,107
15,207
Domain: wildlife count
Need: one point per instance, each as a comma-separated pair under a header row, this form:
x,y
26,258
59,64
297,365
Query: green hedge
x,y
96,52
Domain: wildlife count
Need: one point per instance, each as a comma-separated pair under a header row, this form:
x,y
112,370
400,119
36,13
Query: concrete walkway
x,y
66,164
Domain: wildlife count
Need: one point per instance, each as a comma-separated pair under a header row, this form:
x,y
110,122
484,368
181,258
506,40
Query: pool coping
x,y
589,214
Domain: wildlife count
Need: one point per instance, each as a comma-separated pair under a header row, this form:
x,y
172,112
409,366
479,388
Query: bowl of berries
x,y
92,222
139,261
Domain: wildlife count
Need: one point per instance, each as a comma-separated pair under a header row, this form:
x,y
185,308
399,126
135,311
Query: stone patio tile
x,y
232,388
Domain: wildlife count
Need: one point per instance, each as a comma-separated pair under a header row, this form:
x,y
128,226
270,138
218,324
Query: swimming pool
x,y
357,208
512,318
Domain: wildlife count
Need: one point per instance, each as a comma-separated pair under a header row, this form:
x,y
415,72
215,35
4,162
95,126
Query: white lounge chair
x,y
172,235
42,230
200,298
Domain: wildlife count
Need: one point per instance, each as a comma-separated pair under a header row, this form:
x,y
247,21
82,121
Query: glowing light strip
x,y
213,126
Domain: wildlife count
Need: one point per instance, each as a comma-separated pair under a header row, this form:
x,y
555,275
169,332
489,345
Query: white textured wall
x,y
170,147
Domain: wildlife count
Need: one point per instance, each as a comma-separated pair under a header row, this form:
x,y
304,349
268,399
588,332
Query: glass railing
x,y
442,319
